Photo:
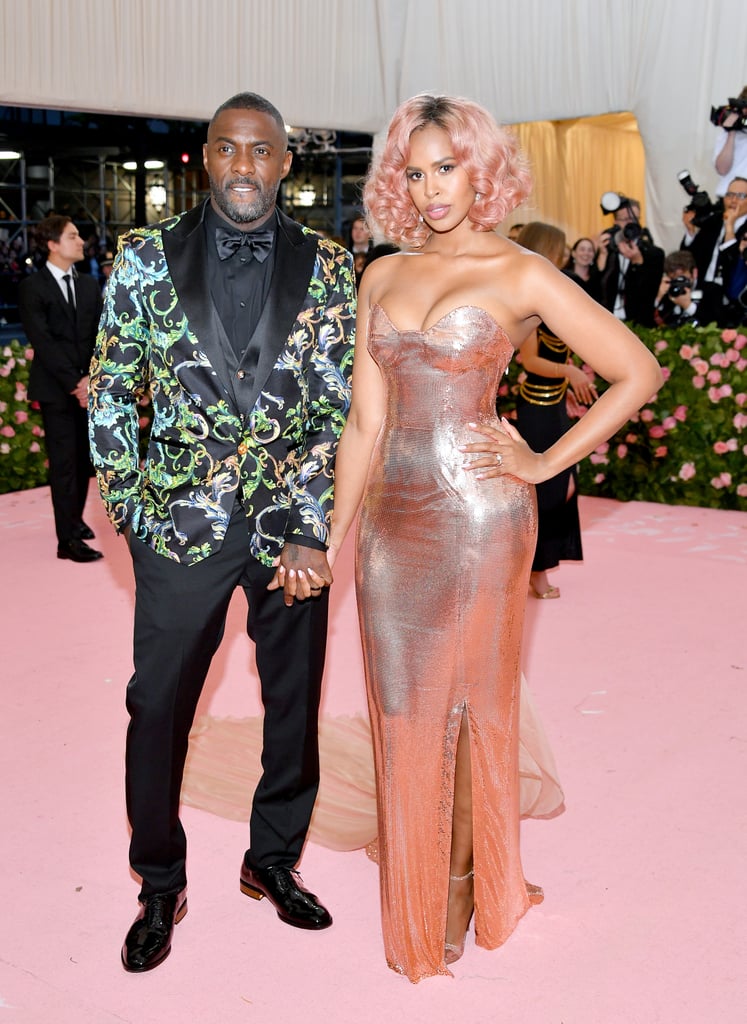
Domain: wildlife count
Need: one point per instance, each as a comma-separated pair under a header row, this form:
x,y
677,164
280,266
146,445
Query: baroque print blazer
x,y
219,433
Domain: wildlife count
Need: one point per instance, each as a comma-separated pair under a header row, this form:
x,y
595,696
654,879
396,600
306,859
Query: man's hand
x,y
81,392
630,250
301,572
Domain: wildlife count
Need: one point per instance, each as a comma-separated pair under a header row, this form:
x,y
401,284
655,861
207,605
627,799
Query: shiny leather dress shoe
x,y
283,888
83,532
148,942
78,551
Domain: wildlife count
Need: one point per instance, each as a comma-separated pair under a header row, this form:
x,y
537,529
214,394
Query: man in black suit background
x,y
60,312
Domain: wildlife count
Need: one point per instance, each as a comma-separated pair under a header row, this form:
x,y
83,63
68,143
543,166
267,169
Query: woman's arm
x,y
533,362
600,340
364,421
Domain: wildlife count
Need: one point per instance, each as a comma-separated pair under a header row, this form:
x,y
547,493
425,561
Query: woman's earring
x,y
420,218
478,197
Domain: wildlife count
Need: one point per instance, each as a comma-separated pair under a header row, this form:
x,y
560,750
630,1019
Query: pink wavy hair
x,y
490,155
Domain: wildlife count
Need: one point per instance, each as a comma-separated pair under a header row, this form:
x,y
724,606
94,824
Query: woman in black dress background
x,y
542,418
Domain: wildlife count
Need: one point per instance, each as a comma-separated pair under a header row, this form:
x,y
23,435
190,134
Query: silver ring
x,y
499,458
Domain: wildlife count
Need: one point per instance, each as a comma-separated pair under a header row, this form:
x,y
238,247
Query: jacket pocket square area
x,y
170,442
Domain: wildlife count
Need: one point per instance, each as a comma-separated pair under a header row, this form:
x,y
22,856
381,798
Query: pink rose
x,y
661,451
720,448
713,376
647,415
741,364
680,413
742,490
657,431
29,353
720,481
7,432
740,421
666,372
631,438
21,416
599,478
669,423
714,394
687,471
687,351
740,399
598,460
700,366
740,342
602,448
725,391
622,451
660,346
34,447
5,370
4,448
37,431
729,336
731,355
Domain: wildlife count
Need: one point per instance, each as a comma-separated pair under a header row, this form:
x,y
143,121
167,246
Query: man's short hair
x,y
50,229
680,260
252,101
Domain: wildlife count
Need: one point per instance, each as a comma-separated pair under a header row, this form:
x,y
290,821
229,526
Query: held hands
x,y
502,451
301,572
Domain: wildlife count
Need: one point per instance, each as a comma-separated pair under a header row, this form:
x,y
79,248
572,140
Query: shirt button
x,y
241,374
243,305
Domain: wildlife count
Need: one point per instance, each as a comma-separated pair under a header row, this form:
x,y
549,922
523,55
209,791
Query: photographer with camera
x,y
680,300
630,263
730,151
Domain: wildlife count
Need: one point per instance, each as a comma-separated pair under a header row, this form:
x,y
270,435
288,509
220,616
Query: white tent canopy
x,y
346,64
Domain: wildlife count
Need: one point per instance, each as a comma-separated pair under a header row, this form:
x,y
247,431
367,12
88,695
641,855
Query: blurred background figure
x,y
730,150
542,418
582,268
631,265
680,299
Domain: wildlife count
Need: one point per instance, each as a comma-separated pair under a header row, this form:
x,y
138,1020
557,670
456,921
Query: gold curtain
x,y
573,162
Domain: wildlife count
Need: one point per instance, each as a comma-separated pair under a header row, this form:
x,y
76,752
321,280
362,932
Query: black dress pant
x,y
66,438
180,614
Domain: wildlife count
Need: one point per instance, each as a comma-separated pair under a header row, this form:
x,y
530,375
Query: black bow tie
x,y
259,243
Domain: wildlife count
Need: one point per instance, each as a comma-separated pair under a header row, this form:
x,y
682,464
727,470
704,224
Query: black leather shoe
x,y
78,551
83,532
283,888
148,942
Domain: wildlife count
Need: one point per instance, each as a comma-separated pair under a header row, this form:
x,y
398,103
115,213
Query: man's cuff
x,y
305,542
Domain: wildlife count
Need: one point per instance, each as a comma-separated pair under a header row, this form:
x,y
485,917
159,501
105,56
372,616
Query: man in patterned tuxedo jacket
x,y
239,323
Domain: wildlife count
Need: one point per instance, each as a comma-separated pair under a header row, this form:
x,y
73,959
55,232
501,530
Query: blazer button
x,y
243,448
241,374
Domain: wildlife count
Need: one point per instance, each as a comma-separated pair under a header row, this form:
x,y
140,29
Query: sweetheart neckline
x,y
427,330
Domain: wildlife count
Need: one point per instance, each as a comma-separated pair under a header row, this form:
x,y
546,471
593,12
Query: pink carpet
x,y
639,673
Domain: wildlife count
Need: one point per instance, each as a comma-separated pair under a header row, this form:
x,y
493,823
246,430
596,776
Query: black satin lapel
x,y
294,265
184,249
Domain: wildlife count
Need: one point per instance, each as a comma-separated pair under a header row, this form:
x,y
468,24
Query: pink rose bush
x,y
22,457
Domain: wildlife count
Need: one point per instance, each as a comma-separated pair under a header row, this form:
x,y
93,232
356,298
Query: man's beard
x,y
244,212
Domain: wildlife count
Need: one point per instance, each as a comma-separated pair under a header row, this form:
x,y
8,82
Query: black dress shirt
x,y
239,285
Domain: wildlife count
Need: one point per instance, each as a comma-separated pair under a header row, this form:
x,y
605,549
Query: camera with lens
x,y
678,286
700,202
632,232
734,105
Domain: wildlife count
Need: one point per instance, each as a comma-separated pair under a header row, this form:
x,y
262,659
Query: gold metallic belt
x,y
543,394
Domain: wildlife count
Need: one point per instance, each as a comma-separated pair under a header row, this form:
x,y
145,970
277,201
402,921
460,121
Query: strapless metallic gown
x,y
442,572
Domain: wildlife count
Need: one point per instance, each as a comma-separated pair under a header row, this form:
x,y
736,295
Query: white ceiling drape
x,y
347,63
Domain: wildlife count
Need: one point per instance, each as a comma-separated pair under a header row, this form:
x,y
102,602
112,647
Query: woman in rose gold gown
x,y
447,525
439,653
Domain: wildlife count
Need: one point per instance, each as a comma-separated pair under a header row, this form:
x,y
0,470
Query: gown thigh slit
x,y
442,569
